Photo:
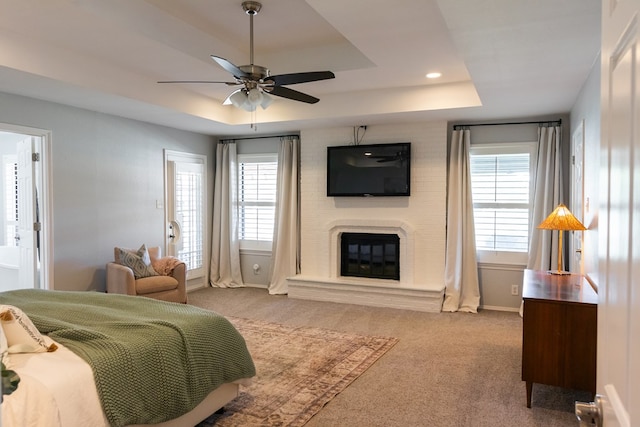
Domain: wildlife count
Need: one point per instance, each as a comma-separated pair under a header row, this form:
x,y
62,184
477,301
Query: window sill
x,y
501,266
502,258
255,252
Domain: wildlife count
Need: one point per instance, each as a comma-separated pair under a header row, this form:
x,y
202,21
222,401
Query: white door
x,y
576,263
26,238
619,216
186,212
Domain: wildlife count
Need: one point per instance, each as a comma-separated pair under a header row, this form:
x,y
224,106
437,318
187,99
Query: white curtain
x,y
462,291
547,194
225,249
286,248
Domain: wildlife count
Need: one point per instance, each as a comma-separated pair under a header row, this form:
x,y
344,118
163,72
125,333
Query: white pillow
x,y
3,343
21,335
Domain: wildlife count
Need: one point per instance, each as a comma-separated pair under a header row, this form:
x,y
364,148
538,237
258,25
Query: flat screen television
x,y
369,170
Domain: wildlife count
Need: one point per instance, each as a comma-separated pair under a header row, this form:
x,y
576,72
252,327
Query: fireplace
x,y
404,291
370,255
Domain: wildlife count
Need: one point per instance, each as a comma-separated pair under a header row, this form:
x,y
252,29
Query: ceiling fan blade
x,y
198,81
235,71
294,78
285,92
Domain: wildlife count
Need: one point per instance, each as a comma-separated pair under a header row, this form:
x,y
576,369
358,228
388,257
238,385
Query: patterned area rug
x,y
299,370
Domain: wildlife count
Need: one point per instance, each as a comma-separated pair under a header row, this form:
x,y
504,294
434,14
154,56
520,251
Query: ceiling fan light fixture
x,y
266,101
258,85
239,100
254,97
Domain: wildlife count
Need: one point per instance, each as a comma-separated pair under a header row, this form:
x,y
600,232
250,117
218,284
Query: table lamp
x,y
561,219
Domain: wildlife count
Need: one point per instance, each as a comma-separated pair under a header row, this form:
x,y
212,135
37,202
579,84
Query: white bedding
x,y
57,389
62,397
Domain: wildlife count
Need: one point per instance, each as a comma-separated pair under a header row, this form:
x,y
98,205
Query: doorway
x,y
24,208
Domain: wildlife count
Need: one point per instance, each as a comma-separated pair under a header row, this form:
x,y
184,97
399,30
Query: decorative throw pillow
x,y
22,336
3,343
138,261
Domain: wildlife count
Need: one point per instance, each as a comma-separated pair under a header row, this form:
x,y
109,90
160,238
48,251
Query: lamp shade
x,y
561,219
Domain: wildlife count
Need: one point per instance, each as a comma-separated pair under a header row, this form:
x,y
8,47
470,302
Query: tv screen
x,y
369,170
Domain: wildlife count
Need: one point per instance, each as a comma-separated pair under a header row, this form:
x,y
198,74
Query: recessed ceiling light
x,y
433,75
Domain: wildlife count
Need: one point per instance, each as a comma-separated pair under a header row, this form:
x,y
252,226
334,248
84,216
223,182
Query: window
x,y
257,176
10,190
501,181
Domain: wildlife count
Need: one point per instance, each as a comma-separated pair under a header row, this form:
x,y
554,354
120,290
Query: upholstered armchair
x,y
167,284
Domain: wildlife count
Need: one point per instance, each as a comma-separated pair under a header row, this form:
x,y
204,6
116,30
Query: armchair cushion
x,y
138,261
148,285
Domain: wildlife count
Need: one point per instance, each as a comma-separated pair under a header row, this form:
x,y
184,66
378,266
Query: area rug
x,y
299,370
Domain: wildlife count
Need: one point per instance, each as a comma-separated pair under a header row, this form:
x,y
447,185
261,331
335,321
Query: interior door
x,y
27,236
619,216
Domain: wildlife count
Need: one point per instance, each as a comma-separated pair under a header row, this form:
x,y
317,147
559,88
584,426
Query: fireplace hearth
x,y
370,255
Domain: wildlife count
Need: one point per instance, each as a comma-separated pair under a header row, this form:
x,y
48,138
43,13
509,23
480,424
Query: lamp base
x,y
559,272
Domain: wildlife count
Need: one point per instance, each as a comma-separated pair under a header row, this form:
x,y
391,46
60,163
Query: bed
x,y
122,361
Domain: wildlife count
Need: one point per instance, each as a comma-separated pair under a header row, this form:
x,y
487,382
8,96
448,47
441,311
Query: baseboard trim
x,y
499,308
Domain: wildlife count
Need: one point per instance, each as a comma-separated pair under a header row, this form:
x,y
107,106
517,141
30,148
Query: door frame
x,y
43,182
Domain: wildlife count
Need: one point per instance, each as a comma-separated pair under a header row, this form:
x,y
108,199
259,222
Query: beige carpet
x,y
447,369
299,370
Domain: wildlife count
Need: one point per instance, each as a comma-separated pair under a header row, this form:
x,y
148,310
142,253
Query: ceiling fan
x,y
256,81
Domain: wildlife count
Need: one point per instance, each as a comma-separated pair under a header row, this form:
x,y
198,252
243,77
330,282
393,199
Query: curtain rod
x,y
259,137
539,122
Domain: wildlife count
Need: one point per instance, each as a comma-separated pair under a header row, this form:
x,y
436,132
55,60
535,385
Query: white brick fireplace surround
x,y
374,292
419,221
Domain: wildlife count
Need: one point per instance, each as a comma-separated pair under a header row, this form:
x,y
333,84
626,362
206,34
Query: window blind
x,y
500,188
257,197
189,207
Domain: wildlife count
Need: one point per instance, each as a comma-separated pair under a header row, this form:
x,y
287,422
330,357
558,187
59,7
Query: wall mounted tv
x,y
369,170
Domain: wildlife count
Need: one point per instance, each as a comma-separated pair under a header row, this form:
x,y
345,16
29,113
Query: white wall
x,y
424,210
107,175
587,109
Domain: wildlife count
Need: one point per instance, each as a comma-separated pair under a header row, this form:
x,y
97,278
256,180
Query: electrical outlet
x,y
514,290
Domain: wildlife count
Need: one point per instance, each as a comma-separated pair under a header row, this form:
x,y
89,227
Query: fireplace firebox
x,y
370,255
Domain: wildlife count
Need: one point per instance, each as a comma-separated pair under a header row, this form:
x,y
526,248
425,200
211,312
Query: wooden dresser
x,y
559,331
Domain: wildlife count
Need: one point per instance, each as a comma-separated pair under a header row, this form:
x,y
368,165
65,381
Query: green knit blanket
x,y
152,360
